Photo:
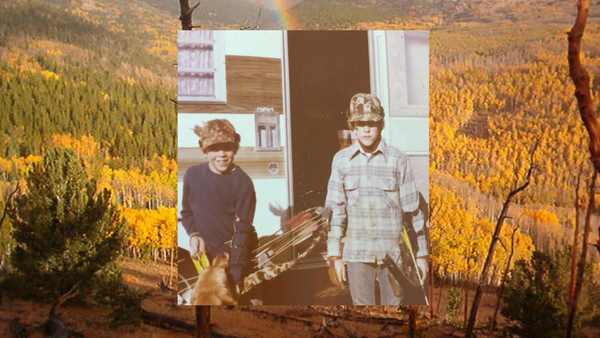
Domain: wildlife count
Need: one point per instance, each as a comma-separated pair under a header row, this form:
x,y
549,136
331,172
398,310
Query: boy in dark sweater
x,y
219,201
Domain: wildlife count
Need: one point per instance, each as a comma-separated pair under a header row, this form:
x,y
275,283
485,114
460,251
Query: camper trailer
x,y
286,93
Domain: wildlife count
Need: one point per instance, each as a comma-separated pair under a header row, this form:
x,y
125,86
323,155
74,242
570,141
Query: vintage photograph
x,y
303,167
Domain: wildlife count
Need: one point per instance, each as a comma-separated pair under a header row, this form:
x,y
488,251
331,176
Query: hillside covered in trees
x,y
49,87
79,75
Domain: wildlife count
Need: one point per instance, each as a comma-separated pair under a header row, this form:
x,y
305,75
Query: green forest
x,y
48,86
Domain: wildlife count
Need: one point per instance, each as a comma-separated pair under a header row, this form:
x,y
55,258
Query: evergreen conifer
x,y
67,232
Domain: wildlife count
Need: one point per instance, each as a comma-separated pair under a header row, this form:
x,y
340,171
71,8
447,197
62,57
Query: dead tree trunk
x,y
582,260
494,242
186,14
504,277
203,321
468,278
413,312
575,237
581,80
165,322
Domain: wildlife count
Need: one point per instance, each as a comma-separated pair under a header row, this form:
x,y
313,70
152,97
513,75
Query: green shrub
x,y
66,231
536,299
124,301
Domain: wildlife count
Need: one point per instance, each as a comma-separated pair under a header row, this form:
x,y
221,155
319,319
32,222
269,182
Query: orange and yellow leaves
x,y
85,147
460,237
542,216
152,228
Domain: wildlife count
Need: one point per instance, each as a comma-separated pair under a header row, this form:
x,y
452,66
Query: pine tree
x,y
536,300
68,233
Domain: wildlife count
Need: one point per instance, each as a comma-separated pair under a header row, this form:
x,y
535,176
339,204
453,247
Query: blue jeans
x,y
361,277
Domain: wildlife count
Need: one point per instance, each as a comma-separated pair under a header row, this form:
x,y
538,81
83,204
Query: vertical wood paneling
x,y
251,82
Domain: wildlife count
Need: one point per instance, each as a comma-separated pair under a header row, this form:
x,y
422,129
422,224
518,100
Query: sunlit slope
x,y
65,70
495,92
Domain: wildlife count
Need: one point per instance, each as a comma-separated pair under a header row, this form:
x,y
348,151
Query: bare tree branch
x,y
581,79
203,321
582,260
186,14
54,327
413,311
495,239
63,298
504,277
575,236
166,322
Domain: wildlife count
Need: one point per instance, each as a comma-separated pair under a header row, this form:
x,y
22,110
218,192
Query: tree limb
x,y
504,278
64,297
581,265
581,80
585,103
575,236
493,243
186,14
165,322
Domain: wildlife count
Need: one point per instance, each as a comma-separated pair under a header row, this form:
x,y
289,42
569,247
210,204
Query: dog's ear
x,y
221,260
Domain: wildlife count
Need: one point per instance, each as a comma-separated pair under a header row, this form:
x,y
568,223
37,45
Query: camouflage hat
x,y
364,107
215,132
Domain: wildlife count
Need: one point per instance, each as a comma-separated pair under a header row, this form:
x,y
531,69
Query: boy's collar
x,y
382,148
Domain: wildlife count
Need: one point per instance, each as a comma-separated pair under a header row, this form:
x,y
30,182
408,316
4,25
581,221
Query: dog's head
x,y
221,260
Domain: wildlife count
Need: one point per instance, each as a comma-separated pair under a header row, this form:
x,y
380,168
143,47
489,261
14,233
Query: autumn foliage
x,y
460,239
146,195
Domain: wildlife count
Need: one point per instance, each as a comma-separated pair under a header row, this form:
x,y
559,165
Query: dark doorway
x,y
325,70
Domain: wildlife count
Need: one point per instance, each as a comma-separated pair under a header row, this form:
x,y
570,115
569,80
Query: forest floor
x,y
242,321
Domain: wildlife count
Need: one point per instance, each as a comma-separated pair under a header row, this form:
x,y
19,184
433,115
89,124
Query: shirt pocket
x,y
351,184
388,188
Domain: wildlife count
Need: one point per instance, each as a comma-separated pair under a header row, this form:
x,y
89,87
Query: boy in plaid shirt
x,y
370,190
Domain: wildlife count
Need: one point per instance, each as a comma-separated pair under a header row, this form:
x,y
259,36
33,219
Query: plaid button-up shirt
x,y
368,194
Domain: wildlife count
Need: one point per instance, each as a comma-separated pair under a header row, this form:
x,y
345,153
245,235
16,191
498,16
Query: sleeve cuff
x,y
423,250
333,249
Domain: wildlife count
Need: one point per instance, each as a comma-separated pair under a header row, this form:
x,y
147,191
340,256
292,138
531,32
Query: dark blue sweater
x,y
210,206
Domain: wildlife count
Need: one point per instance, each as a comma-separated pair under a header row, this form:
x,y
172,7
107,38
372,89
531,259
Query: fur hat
x,y
215,132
